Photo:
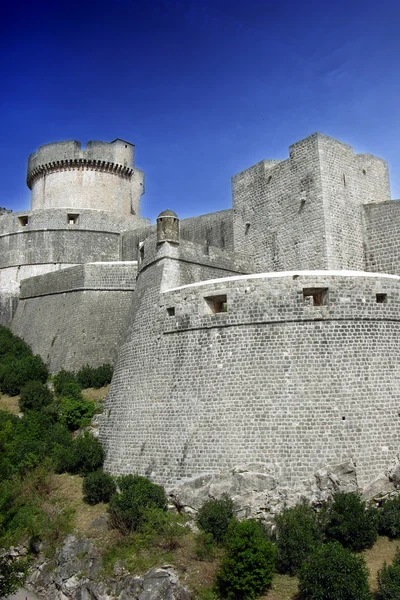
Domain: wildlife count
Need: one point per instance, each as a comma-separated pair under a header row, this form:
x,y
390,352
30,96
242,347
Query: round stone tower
x,y
167,227
100,177
81,202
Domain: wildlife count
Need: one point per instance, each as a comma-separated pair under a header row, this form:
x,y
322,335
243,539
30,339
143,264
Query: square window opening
x,y
171,311
216,304
23,220
72,219
381,298
315,296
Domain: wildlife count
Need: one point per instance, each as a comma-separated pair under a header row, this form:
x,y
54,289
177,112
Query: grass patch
x,y
96,395
133,553
284,587
67,493
383,550
9,403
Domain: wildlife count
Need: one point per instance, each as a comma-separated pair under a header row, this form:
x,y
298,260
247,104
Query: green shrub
x,y
389,518
335,573
76,413
137,495
297,534
98,487
26,442
163,528
205,547
12,575
87,455
35,395
17,372
94,377
389,580
71,389
350,522
246,569
215,516
62,379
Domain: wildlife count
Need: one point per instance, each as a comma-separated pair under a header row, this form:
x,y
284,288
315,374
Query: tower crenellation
x,y
101,176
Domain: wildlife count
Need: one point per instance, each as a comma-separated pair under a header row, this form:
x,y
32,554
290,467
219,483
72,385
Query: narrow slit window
x,y
171,311
72,219
216,304
381,298
315,296
141,252
23,220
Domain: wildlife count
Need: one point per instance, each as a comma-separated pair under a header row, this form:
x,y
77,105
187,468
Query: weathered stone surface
x,y
75,575
260,494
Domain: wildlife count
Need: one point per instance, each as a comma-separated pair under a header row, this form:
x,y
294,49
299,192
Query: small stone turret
x,y
168,227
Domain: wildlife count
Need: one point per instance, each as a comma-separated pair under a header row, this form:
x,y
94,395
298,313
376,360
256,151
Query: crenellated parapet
x,y
101,176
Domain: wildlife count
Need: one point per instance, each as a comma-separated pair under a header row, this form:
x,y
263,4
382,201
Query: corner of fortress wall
x,y
163,265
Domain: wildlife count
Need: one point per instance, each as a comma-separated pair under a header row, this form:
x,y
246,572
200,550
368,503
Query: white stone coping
x,y
113,262
277,274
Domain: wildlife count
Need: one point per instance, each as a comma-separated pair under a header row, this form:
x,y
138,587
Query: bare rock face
x,y
75,575
259,493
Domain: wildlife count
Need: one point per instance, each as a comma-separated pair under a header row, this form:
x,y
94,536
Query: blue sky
x,y
203,88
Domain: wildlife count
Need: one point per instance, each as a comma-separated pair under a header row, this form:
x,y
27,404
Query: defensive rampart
x,y
77,315
293,371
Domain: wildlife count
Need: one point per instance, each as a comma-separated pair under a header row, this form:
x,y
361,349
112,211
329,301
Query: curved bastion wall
x,y
292,371
102,176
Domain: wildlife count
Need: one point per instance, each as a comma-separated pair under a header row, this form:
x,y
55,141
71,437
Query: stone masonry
x,y
266,334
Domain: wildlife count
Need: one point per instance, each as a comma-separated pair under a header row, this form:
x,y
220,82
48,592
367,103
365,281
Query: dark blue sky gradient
x,y
203,88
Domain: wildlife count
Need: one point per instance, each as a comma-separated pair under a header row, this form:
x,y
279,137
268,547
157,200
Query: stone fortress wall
x,y
78,315
264,334
275,380
81,202
306,211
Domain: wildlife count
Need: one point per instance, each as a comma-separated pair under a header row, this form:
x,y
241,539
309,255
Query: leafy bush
x,y
98,487
33,438
350,522
62,379
12,575
205,547
76,413
71,389
11,346
87,455
137,495
163,528
389,580
94,377
35,395
246,569
14,374
297,534
333,572
215,516
389,518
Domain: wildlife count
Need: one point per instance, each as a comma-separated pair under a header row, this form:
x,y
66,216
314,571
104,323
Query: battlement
x,y
100,176
115,157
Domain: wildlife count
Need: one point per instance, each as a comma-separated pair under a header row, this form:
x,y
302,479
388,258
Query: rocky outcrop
x,y
75,575
259,493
